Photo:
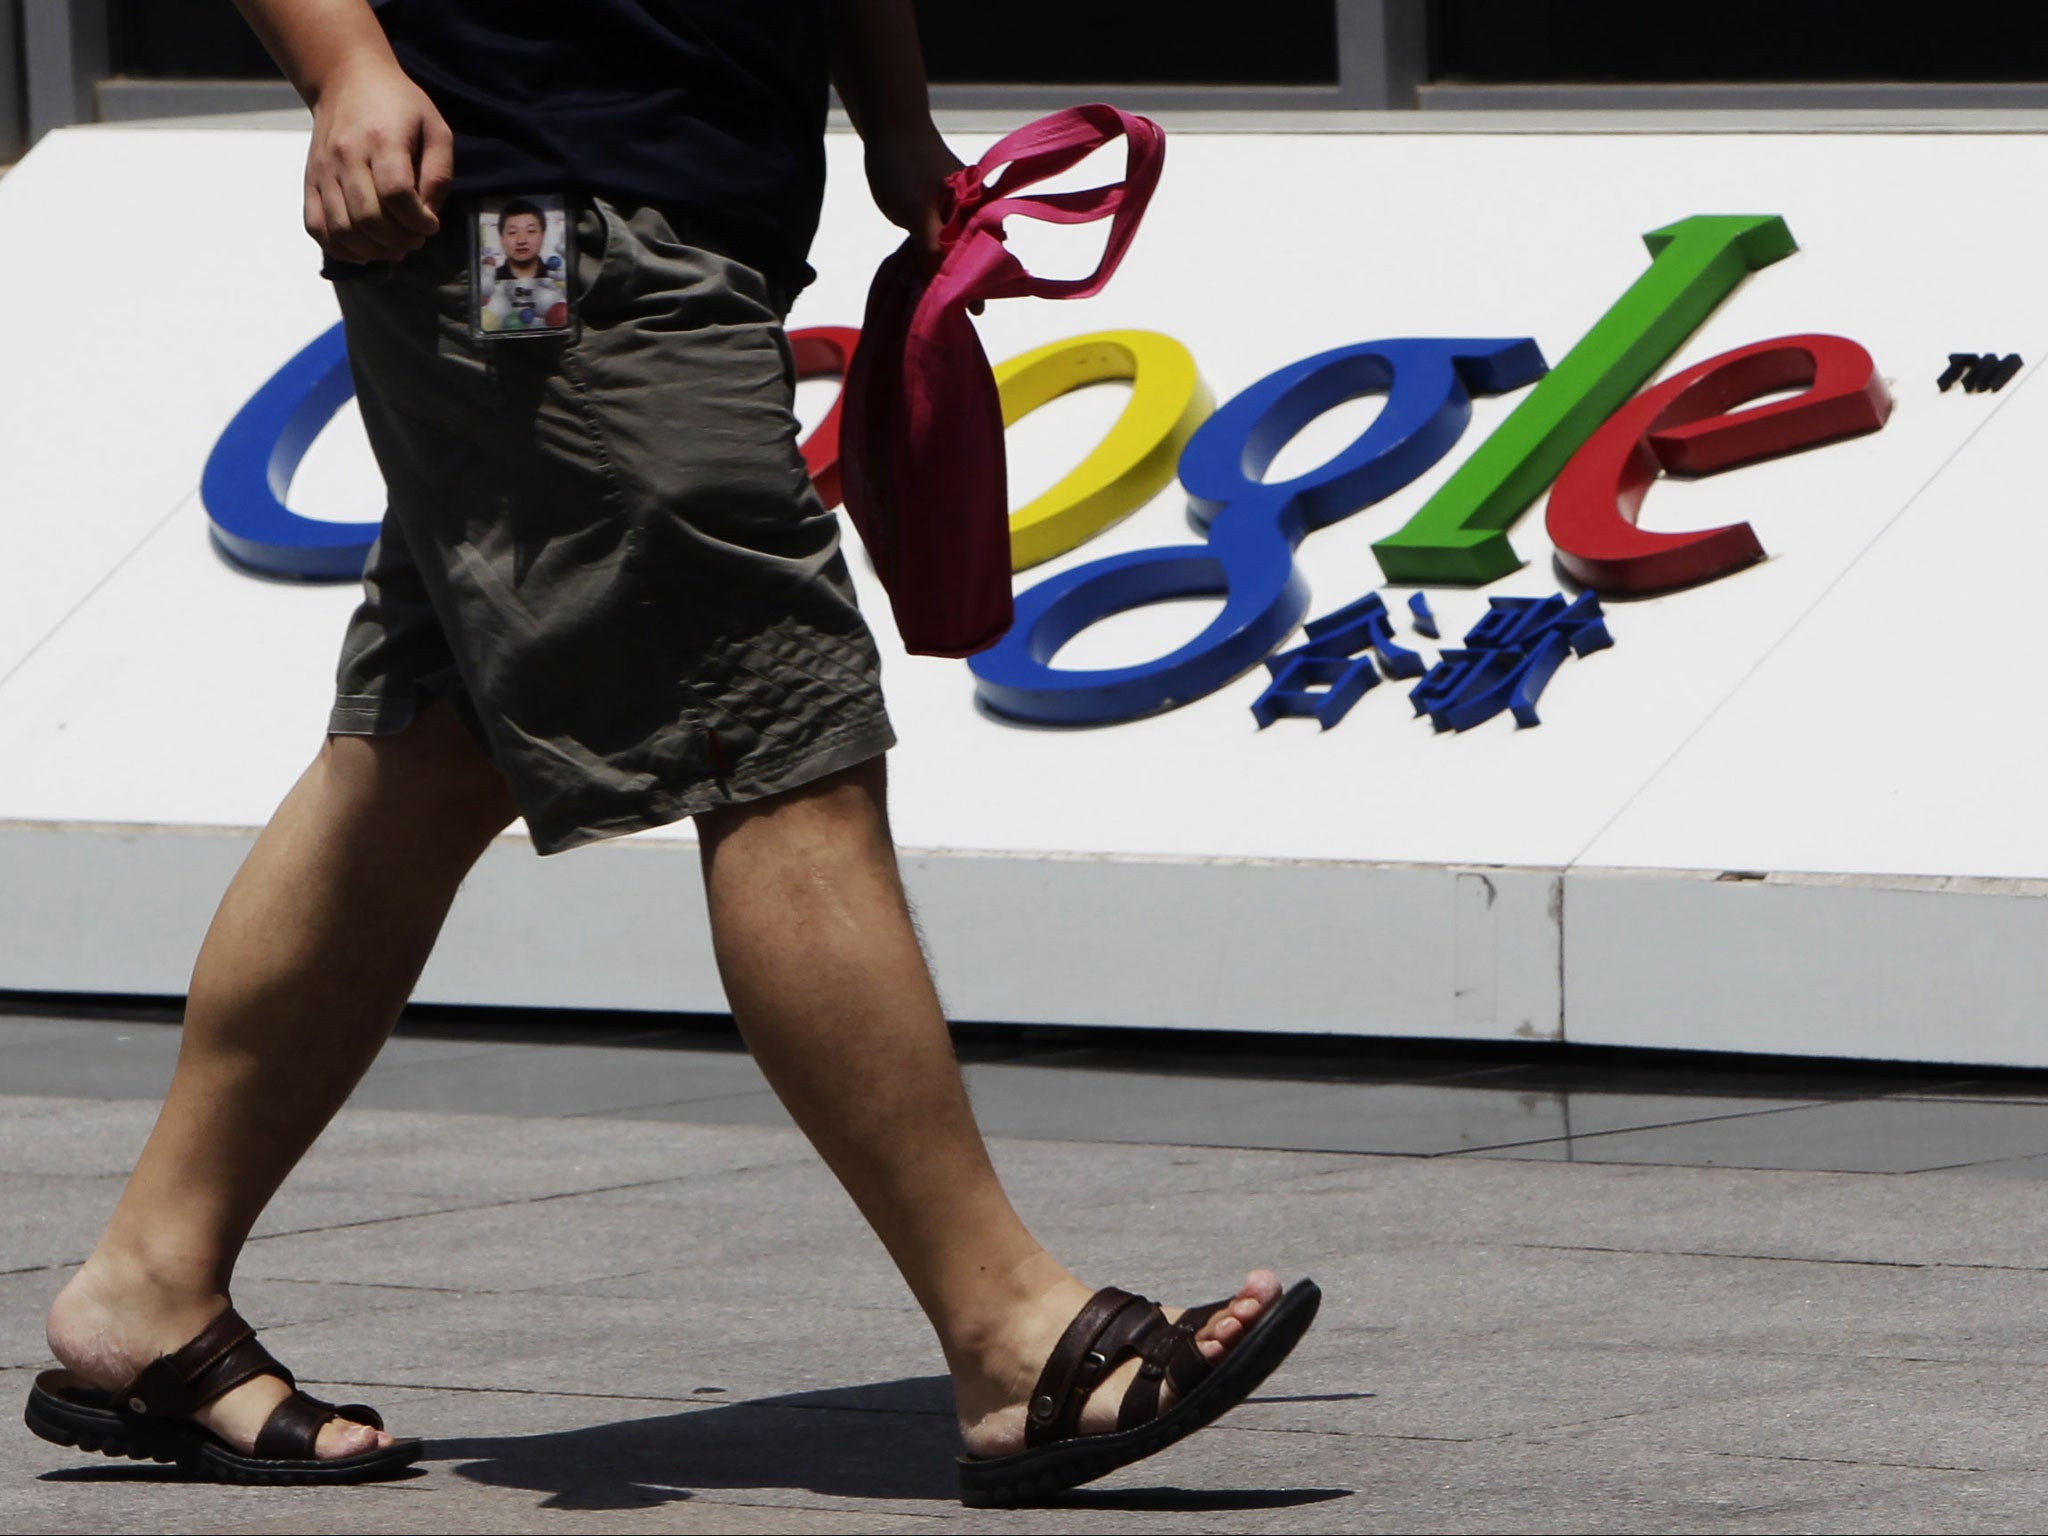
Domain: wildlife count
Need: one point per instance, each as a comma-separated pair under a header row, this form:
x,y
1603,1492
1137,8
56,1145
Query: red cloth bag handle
x,y
1035,153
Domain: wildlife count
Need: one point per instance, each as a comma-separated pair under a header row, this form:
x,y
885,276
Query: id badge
x,y
523,264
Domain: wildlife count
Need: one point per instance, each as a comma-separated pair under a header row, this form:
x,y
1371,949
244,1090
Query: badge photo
x,y
523,266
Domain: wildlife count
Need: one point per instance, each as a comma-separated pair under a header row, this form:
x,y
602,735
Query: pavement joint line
x,y
383,1285
623,1111
40,1269
484,1205
619,1189
1852,1461
1662,1125
1984,1162
1237,1428
1781,1258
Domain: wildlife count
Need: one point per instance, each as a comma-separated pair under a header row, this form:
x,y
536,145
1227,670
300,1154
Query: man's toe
x,y
345,1437
1227,1325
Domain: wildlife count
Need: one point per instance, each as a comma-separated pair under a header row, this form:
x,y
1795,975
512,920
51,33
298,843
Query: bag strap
x,y
985,194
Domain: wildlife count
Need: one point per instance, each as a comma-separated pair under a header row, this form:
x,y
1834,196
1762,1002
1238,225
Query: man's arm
x,y
879,70
382,157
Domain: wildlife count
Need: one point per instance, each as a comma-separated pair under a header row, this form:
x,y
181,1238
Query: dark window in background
x,y
1540,41
1149,42
186,40
1130,42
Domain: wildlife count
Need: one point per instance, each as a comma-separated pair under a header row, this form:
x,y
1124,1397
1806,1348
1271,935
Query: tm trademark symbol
x,y
1980,373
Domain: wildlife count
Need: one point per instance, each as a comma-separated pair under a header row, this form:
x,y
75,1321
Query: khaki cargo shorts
x,y
605,552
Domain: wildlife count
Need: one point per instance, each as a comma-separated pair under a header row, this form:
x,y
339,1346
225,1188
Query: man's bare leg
x,y
311,956
825,975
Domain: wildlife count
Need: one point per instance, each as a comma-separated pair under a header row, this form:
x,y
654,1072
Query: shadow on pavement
x,y
1196,1500
153,1472
886,1440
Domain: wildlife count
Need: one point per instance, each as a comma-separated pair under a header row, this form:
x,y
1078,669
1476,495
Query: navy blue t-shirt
x,y
712,109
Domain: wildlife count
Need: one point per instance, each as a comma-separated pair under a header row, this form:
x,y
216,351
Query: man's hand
x,y
382,156
380,166
907,174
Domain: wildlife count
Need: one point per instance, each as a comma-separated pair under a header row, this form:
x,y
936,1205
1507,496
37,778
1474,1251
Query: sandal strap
x,y
292,1431
1165,1350
1187,1368
1102,1334
221,1358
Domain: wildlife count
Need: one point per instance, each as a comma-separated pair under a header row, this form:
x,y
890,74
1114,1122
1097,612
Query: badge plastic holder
x,y
511,304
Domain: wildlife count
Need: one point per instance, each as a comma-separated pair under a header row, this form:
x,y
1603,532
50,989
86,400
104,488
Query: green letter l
x,y
1460,535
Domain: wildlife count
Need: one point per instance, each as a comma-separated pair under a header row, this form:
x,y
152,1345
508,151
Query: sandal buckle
x,y
1092,1364
137,1405
1041,1408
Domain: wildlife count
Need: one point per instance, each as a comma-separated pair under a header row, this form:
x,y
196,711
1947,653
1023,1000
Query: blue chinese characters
x,y
1509,657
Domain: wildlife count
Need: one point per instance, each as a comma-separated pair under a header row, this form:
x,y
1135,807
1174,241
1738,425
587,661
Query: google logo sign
x,y
1582,431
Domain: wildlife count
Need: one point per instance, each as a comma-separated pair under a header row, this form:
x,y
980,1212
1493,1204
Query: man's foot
x,y
104,1331
993,1390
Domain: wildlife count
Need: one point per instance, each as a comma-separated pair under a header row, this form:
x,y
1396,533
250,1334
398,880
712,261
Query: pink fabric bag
x,y
922,434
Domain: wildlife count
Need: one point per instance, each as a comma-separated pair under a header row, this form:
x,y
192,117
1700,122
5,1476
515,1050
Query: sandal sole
x,y
194,1452
1029,1477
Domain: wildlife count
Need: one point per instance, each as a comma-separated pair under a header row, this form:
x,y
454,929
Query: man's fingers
x,y
368,222
342,240
398,197
437,162
315,214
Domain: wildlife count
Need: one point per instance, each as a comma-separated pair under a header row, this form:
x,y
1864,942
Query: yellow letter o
x,y
1133,462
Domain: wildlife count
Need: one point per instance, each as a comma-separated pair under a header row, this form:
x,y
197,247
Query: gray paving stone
x,y
1406,1119
2009,1168
52,1220
1972,1416
1868,1136
756,1109
504,1246
633,1324
612,1347
132,1058
1929,1218
72,1137
1263,1482
1945,1502
1080,1171
558,1080
505,1158
86,1058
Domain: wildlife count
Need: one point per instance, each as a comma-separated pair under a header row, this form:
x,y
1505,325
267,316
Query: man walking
x,y
604,598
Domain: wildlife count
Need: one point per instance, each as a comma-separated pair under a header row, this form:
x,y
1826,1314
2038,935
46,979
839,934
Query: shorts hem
x,y
829,754
370,714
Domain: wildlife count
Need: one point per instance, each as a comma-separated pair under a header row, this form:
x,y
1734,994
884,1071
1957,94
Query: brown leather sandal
x,y
1113,1327
150,1418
